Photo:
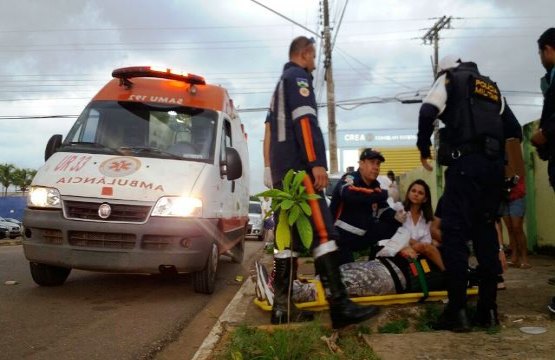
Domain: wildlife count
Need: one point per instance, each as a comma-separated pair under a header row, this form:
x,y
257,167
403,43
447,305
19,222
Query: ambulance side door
x,y
227,187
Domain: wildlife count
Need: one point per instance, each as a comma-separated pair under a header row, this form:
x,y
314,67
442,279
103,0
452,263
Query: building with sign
x,y
397,145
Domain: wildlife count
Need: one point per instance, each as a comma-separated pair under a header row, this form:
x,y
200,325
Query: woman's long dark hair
x,y
426,206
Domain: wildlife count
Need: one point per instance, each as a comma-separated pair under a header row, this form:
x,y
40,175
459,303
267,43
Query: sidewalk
x,y
522,304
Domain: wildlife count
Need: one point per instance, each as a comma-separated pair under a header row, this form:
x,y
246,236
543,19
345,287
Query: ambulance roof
x,y
146,85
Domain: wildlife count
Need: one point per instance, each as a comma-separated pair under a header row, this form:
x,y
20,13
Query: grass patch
x,y
300,343
429,316
394,327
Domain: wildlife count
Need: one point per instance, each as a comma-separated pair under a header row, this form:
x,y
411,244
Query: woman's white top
x,y
419,231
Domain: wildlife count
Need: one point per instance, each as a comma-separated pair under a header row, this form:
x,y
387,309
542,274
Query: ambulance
x,y
152,178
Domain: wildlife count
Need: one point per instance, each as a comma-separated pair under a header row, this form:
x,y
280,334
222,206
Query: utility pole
x,y
330,87
432,37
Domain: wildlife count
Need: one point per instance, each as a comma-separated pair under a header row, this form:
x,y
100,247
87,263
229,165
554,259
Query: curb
x,y
9,242
233,313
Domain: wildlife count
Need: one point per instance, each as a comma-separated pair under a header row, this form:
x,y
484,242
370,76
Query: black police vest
x,y
471,115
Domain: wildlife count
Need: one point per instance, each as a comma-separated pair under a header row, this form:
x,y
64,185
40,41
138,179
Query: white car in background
x,y
255,227
13,230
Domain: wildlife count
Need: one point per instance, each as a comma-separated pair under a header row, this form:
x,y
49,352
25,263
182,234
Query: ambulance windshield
x,y
147,130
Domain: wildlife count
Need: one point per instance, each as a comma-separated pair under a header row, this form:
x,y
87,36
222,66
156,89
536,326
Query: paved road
x,y
108,316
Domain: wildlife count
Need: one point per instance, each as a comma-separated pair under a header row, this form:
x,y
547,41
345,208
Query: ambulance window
x,y
89,133
226,139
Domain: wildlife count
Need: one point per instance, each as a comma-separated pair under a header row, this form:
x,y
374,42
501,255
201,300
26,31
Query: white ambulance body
x,y
152,177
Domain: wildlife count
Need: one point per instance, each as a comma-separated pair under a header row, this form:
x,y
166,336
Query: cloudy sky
x,y
55,55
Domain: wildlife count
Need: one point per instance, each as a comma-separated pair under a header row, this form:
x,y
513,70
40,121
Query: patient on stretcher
x,y
384,275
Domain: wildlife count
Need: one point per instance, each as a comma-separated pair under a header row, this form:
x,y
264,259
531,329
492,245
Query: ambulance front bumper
x,y
157,244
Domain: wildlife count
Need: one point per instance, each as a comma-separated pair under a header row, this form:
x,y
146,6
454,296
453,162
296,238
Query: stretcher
x,y
320,303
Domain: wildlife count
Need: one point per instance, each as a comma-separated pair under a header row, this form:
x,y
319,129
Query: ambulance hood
x,y
118,177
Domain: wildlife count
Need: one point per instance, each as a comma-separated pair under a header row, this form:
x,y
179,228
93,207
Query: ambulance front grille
x,y
51,236
101,240
120,212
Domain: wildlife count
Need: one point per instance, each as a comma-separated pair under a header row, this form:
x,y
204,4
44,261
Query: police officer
x,y
296,142
476,120
359,206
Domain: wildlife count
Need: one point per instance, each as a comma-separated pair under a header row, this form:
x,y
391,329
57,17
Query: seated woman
x,y
418,204
381,276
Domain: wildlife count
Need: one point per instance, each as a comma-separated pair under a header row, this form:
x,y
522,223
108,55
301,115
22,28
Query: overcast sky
x,y
56,54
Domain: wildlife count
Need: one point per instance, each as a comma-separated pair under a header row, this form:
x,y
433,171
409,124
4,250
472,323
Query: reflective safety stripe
x,y
280,113
350,228
325,248
317,218
308,140
286,254
303,111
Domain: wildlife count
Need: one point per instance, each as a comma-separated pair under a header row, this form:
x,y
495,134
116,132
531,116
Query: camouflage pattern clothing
x,y
362,278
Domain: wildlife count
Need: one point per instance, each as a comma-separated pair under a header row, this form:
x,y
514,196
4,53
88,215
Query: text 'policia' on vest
x,y
472,115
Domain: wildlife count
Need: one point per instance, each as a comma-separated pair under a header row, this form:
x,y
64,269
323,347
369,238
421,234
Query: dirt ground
x,y
522,304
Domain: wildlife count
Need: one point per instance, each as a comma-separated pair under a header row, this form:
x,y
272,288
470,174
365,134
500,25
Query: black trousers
x,y
473,191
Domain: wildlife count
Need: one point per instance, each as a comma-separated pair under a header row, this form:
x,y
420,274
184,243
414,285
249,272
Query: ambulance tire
x,y
204,281
48,275
238,251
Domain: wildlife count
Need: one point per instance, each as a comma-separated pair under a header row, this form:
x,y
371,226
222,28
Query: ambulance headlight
x,y
43,197
180,206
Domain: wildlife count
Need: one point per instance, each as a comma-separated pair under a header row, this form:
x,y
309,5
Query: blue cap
x,y
370,153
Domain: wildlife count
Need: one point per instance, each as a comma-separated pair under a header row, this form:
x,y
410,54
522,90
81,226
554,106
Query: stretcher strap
x,y
396,280
421,279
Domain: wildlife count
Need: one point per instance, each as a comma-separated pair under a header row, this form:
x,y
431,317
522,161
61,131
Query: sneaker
x,y
262,283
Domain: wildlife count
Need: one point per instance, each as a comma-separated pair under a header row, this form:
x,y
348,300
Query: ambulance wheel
x,y
48,275
238,251
204,281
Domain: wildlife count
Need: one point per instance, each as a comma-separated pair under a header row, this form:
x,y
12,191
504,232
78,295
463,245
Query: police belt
x,y
447,154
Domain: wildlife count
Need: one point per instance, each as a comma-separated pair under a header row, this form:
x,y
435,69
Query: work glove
x,y
401,216
268,177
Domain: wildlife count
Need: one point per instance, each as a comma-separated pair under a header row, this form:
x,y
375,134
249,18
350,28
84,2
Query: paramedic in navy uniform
x,y
477,122
296,142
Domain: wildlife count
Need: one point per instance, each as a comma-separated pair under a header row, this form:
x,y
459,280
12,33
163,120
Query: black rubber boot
x,y
454,317
283,309
343,311
486,309
456,321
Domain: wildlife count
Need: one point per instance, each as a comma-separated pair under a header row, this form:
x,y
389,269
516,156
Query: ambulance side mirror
x,y
233,168
52,146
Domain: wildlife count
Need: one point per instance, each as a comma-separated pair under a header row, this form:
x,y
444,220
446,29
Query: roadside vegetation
x,y
19,177
299,342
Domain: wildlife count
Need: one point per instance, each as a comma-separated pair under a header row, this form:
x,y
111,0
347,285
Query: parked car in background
x,y
15,221
14,230
3,232
255,227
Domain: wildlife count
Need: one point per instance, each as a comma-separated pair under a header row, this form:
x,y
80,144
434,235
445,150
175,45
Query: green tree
x,y
23,178
6,176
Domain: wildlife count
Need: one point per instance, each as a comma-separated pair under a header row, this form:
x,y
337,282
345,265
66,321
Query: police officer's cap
x,y
370,153
448,62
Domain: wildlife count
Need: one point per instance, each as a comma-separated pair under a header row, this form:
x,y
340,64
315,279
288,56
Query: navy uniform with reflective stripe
x,y
296,139
362,215
297,143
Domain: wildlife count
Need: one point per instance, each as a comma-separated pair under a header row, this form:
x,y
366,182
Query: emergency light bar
x,y
148,71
